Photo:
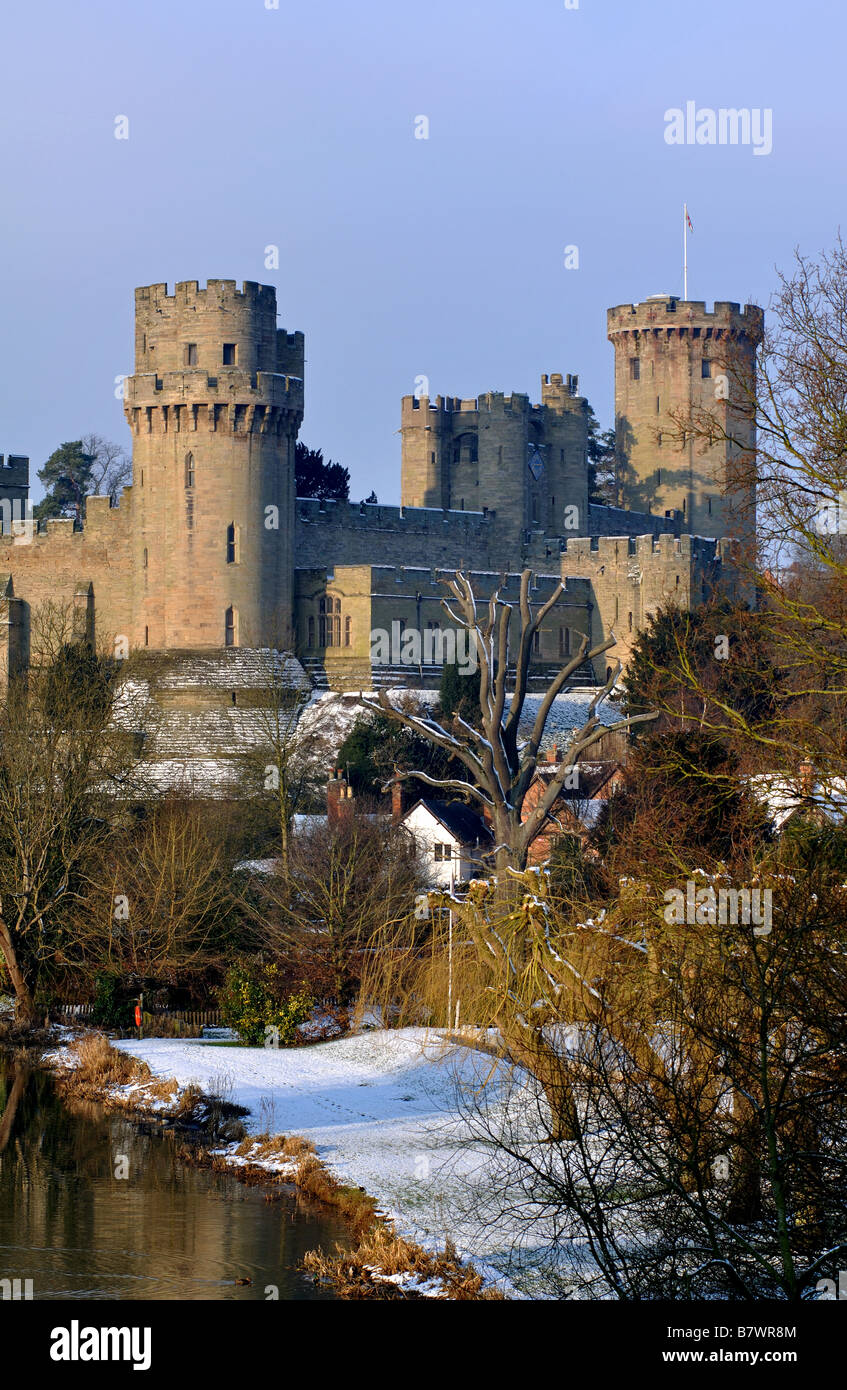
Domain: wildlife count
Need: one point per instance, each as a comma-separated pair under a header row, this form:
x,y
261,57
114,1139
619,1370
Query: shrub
x,y
111,1008
251,1006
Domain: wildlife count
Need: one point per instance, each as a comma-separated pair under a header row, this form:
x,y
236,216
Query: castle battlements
x,y
609,549
683,316
216,293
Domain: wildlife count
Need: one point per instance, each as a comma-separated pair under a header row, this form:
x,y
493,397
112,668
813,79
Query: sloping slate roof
x,y
462,822
201,752
233,668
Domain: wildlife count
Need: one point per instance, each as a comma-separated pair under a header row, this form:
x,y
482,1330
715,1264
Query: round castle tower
x,y
673,355
214,407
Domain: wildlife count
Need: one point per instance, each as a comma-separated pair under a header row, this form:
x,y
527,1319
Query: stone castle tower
x,y
671,354
499,453
214,408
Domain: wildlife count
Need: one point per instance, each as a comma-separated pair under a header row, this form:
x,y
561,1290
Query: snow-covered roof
x,y
784,795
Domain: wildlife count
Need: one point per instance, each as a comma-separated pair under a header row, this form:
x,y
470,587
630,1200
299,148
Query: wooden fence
x,y
195,1018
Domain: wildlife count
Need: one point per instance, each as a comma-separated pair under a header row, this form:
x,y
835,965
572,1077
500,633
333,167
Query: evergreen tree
x,y
314,478
67,481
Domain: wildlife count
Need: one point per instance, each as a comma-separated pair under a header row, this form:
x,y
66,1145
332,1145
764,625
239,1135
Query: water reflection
x,y
92,1207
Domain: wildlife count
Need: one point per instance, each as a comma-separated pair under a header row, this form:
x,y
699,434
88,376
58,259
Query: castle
x,y
210,553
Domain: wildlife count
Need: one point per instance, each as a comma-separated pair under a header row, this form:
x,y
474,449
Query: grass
x,y
100,1067
367,1271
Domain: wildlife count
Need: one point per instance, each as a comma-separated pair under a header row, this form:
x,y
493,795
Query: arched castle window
x,y
329,622
232,547
231,628
189,470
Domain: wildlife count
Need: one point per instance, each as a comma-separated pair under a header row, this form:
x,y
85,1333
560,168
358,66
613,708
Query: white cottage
x,y
451,839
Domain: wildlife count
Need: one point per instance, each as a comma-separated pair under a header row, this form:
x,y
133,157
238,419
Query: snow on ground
x,y
381,1109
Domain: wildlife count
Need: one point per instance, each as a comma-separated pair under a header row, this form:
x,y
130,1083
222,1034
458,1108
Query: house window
x,y
231,628
191,354
635,368
443,853
229,355
189,470
232,544
705,368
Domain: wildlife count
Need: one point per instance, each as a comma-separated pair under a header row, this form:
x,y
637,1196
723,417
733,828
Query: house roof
x,y
593,777
463,823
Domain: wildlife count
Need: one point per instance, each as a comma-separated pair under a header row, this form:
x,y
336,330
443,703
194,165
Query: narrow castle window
x,y
705,367
191,354
635,368
189,470
710,506
348,631
146,636
564,641
232,556
657,405
231,628
144,558
229,354
629,618
311,632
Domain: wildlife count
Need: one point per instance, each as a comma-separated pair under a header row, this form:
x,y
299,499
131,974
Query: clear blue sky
x,y
398,257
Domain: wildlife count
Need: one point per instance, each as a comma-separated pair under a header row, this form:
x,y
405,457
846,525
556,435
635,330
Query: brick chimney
x,y
553,754
339,798
399,799
806,776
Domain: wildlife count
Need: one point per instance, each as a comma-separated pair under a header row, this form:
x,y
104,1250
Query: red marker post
x,y
138,1018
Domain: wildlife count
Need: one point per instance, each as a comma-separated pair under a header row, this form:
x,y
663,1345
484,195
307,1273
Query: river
x,y
95,1206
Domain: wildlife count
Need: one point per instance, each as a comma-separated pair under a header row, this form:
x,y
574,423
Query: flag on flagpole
x,y
688,220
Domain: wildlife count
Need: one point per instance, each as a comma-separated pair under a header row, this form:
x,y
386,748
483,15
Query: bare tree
x,y
63,761
500,766
111,467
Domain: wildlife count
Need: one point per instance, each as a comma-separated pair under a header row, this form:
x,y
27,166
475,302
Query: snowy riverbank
x,y
383,1111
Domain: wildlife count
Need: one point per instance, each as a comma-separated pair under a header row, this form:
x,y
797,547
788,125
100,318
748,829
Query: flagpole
x,y
685,251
